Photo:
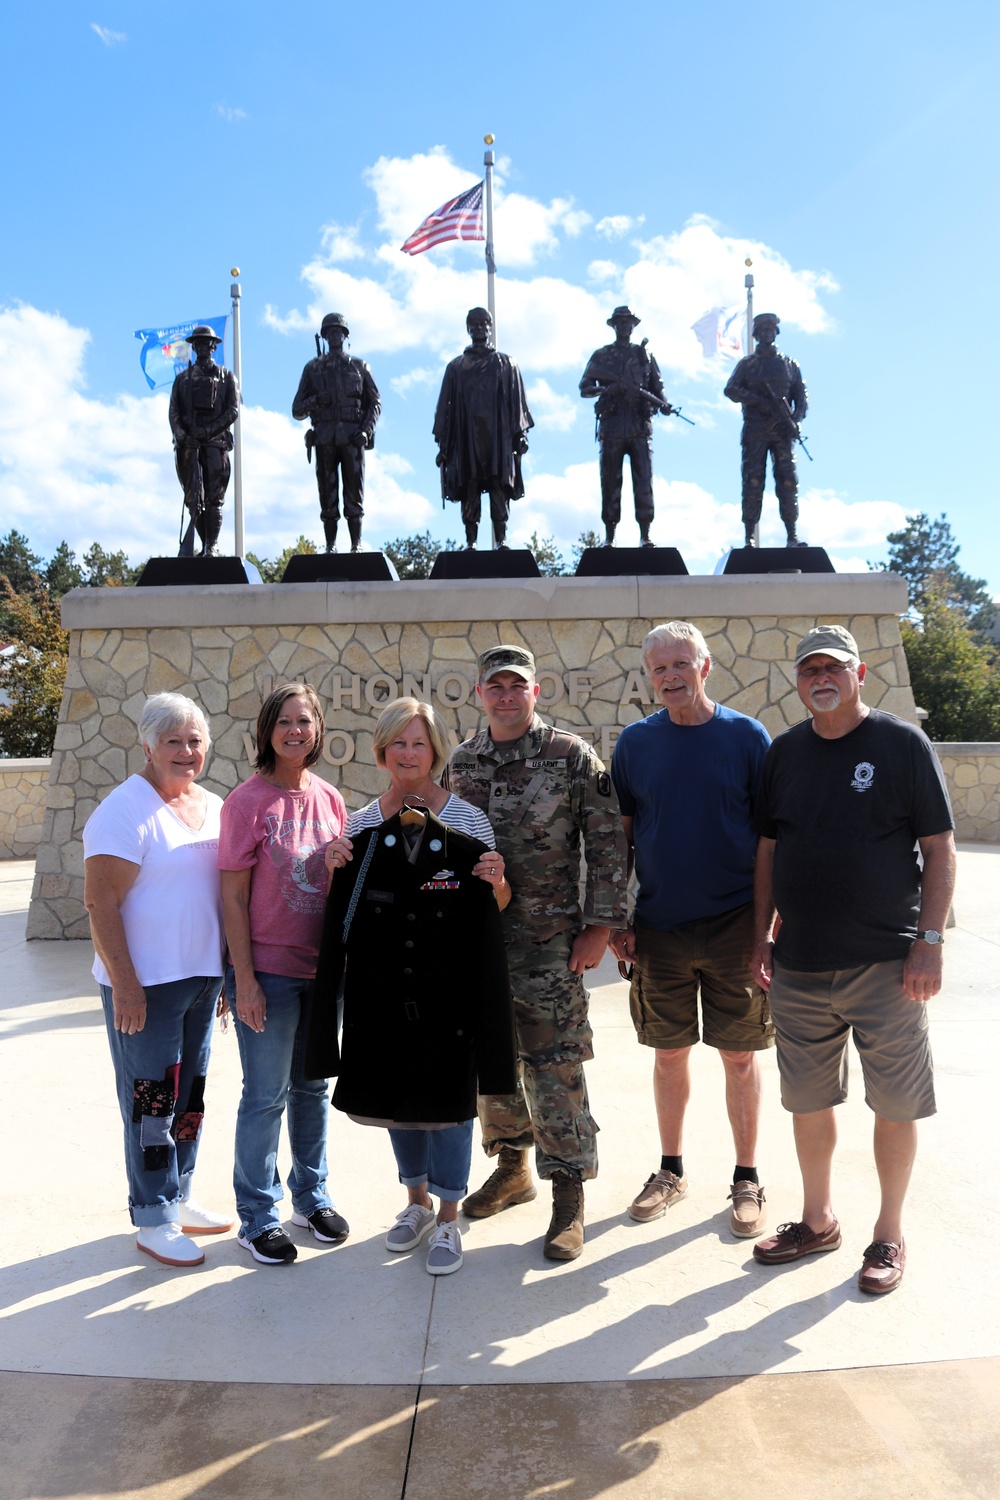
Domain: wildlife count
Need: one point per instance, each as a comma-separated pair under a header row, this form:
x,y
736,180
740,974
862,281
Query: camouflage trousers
x,y
554,1039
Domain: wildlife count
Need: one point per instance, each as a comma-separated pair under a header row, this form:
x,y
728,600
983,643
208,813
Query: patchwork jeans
x,y
274,1085
160,1073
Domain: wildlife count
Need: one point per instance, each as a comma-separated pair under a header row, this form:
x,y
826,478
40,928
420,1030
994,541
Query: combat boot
x,y
471,533
330,532
212,521
564,1236
609,535
751,540
354,527
644,537
511,1183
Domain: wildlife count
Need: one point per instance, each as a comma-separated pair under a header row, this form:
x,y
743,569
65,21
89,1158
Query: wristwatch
x,y
930,936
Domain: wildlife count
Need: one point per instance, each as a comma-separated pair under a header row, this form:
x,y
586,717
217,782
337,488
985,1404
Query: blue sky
x,y
644,151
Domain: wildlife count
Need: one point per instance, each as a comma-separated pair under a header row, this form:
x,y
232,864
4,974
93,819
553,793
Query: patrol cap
x,y
505,659
619,316
203,331
334,320
828,640
766,318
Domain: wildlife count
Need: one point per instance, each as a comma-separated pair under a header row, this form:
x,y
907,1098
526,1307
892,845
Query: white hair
x,y
676,630
164,712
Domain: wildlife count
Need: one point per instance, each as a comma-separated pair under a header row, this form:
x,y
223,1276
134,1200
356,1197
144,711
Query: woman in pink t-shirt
x,y
275,829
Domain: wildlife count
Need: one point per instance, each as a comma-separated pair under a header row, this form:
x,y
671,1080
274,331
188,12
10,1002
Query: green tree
x,y
103,569
63,571
19,564
32,676
551,563
271,572
413,556
953,677
586,539
925,553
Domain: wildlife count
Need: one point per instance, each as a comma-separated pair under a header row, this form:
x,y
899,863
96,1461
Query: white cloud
x,y
230,113
80,469
420,378
547,322
614,226
551,409
108,37
341,242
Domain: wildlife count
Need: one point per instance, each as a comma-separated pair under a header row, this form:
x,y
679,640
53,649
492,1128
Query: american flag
x,y
460,218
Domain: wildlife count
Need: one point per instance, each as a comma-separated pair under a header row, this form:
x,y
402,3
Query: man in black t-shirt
x,y
846,797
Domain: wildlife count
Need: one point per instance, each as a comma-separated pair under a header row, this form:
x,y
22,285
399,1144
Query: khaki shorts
x,y
712,958
815,1013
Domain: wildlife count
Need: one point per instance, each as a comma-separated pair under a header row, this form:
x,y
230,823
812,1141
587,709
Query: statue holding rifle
x,y
769,387
625,378
204,404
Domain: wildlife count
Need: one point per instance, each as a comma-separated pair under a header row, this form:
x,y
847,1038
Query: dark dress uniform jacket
x,y
427,1009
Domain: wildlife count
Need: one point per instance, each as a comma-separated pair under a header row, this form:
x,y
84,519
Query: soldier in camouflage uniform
x,y
550,800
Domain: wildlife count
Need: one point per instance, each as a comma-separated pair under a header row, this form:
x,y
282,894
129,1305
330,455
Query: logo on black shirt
x,y
864,775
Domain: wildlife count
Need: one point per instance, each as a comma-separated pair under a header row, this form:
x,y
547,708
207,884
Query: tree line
x,y
948,630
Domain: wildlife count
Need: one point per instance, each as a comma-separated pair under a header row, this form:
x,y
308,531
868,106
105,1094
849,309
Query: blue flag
x,y
166,351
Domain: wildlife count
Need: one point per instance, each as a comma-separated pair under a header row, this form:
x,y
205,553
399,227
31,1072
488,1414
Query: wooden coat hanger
x,y
411,816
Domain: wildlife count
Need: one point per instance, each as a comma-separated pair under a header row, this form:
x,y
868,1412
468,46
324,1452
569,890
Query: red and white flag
x,y
460,218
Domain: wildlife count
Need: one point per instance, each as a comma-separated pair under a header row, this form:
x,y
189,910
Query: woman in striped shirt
x,y
410,742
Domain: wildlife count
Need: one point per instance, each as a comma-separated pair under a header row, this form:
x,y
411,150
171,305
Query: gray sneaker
x,y
410,1227
444,1250
658,1193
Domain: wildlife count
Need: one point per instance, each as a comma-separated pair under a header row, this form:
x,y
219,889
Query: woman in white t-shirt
x,y
152,891
410,742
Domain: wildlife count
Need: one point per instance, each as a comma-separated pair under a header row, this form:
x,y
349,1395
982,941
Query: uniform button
x,y
378,911
411,916
407,971
439,913
459,1033
408,943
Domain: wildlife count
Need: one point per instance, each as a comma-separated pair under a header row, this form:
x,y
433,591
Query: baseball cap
x,y
828,640
505,659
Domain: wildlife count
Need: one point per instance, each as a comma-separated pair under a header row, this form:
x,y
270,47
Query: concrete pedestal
x,y
361,645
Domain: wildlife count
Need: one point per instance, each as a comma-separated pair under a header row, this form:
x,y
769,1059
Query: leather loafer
x,y
792,1241
884,1264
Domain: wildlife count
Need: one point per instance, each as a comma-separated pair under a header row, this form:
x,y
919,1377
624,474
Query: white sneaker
x,y
444,1250
410,1227
198,1220
168,1243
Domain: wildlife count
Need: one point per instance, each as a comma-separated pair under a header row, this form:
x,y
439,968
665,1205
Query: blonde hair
x,y
392,720
676,630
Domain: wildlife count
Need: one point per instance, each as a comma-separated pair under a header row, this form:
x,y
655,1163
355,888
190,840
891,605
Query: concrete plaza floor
x,y
663,1363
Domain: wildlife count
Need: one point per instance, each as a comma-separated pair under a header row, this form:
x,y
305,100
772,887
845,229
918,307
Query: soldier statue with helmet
x,y
204,404
769,387
626,381
339,396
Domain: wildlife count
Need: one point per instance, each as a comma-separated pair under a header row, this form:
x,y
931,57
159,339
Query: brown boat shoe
x,y
792,1241
749,1215
884,1264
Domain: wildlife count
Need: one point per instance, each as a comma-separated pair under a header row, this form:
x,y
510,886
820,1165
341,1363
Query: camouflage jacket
x,y
550,801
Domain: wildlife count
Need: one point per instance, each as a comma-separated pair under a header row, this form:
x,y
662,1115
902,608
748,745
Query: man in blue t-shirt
x,y
686,779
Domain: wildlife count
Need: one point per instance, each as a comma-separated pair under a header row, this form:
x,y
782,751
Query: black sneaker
x,y
271,1248
326,1224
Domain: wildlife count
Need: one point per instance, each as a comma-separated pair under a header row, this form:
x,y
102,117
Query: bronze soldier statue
x,y
338,393
769,387
204,404
626,381
480,427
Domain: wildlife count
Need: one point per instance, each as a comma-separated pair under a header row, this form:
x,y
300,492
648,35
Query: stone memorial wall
x,y
362,645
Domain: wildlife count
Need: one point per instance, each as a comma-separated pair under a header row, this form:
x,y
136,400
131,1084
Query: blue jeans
x,y
441,1158
273,1084
160,1073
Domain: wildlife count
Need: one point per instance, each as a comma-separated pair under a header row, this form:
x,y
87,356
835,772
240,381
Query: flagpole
x,y
236,293
491,266
748,283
